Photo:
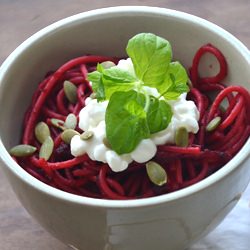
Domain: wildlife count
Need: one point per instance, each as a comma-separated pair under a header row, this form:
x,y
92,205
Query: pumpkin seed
x,y
68,134
107,64
213,124
106,143
86,135
22,150
42,131
71,121
156,173
57,123
70,91
46,148
190,84
93,96
222,109
181,137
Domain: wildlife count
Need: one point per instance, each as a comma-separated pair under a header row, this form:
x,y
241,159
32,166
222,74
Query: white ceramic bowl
x,y
172,221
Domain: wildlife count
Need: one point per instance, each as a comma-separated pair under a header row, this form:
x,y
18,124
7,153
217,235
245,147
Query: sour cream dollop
x,y
92,118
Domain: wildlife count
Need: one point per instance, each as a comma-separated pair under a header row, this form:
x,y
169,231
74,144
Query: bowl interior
x,y
106,33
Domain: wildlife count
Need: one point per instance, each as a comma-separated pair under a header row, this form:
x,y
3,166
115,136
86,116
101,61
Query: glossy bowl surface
x,y
172,221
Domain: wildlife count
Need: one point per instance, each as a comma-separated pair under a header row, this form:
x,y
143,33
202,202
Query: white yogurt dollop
x,y
185,114
92,118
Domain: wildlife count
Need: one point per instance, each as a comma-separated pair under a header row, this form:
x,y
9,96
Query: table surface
x,y
21,18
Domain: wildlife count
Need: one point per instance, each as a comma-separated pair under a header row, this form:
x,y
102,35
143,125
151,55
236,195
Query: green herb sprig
x,y
132,114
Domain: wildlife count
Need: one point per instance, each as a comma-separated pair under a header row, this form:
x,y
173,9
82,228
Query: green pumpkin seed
x,y
22,150
213,124
46,148
189,82
57,123
156,173
93,96
71,121
68,134
70,91
222,109
86,135
107,64
181,137
42,131
106,143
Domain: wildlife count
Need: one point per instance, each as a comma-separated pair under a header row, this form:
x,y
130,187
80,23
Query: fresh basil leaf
x,y
180,76
107,81
100,67
159,115
116,79
151,56
118,75
97,85
126,121
175,82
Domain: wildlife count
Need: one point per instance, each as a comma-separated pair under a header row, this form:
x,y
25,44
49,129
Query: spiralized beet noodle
x,y
206,153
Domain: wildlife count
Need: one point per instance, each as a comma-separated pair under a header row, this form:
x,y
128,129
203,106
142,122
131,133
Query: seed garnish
x,y
181,137
107,64
106,143
71,121
46,148
68,134
42,131
156,173
213,124
93,96
70,91
57,123
22,150
86,135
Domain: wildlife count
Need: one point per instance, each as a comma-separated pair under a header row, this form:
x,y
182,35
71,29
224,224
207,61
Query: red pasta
x,y
207,151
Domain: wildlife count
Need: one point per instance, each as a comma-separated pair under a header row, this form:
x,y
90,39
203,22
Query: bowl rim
x,y
144,202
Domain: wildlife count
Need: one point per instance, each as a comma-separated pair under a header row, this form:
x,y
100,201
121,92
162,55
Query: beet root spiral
x,y
207,151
